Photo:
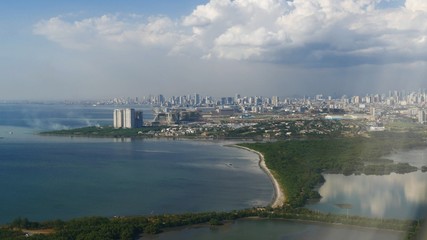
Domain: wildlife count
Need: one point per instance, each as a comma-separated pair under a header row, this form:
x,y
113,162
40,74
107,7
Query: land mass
x,y
266,129
298,165
296,168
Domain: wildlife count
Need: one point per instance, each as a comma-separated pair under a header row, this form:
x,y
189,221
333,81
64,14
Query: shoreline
x,y
279,196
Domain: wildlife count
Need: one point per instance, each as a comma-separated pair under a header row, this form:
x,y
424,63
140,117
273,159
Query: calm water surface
x,y
276,230
61,177
401,196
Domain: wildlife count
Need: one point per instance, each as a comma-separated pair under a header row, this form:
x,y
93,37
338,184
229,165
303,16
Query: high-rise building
x,y
127,118
223,101
160,99
230,100
118,118
355,99
139,121
197,99
422,116
275,101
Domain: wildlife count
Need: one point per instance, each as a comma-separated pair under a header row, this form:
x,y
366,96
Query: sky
x,y
57,49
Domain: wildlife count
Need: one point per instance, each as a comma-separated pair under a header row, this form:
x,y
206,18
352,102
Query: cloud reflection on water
x,y
394,195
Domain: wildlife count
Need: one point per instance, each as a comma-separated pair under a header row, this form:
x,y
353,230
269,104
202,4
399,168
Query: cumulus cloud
x,y
108,30
416,5
309,32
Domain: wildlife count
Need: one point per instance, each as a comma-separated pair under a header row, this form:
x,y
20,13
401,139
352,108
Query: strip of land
x,y
279,196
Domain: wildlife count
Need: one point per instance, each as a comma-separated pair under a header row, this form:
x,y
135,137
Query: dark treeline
x,y
124,228
129,228
104,132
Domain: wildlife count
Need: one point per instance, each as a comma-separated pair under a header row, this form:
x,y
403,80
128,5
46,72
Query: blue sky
x,y
18,17
47,8
101,49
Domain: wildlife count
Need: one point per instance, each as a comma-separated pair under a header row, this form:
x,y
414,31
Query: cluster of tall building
x,y
401,98
127,118
412,104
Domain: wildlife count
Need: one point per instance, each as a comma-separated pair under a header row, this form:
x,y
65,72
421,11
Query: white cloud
x,y
108,30
313,32
416,5
204,14
310,31
66,34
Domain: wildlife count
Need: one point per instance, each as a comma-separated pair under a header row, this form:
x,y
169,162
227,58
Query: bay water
x,y
44,177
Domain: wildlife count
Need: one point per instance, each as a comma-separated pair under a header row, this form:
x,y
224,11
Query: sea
x,y
47,177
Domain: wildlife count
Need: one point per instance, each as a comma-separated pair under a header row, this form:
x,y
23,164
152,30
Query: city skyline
x,y
81,50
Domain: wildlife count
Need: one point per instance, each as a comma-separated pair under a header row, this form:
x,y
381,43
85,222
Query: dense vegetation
x,y
115,228
105,132
128,228
298,165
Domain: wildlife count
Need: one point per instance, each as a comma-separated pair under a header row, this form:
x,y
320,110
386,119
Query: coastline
x,y
279,196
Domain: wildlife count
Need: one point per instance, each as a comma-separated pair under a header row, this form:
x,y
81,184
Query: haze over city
x,y
96,49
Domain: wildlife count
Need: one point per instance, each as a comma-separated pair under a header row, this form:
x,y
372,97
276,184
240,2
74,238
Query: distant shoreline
x,y
279,196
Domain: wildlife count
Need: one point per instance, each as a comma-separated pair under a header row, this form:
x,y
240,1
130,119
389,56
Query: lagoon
x,y
400,196
247,229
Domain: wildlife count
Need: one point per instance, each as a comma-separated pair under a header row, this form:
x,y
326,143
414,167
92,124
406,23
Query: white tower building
x,y
127,118
118,118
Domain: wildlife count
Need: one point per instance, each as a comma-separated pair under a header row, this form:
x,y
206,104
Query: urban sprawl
x,y
195,115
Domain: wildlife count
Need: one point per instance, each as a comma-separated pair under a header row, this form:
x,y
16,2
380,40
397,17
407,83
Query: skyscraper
x,y
197,100
275,101
127,118
118,118
139,121
422,116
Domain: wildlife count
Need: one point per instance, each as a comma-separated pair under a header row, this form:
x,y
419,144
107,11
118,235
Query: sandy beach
x,y
279,198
